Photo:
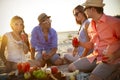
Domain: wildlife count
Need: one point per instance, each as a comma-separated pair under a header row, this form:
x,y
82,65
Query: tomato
x,y
27,66
19,67
23,67
54,69
75,42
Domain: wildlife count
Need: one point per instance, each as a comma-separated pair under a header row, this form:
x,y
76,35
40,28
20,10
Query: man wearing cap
x,y
44,42
104,39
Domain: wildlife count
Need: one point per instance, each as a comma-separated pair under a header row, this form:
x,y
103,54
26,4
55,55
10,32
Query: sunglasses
x,y
76,14
47,20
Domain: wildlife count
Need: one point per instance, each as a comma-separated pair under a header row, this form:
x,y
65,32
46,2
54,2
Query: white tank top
x,y
14,50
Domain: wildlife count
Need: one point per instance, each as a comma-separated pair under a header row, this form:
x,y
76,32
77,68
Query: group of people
x,y
98,50
15,44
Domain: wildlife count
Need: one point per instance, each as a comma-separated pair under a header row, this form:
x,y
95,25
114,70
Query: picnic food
x,y
23,67
37,73
27,75
75,42
54,69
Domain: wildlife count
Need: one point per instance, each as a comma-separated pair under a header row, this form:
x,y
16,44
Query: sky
x,y
59,10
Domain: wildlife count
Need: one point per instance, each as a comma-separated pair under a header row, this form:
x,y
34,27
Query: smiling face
x,y
46,23
17,24
78,16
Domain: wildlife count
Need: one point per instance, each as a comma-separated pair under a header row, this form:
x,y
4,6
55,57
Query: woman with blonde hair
x,y
14,44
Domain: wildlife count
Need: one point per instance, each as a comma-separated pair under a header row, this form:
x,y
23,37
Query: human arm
x,y
86,50
27,41
76,43
26,46
32,50
50,54
2,49
75,51
88,33
89,44
33,43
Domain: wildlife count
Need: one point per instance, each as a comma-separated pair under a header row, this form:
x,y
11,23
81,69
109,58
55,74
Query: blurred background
x,y
59,10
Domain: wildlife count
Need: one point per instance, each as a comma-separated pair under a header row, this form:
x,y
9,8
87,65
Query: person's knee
x,y
58,62
94,77
65,55
71,67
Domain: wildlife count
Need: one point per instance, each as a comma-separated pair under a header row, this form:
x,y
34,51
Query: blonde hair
x,y
14,19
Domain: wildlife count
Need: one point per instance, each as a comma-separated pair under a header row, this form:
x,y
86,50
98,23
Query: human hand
x,y
115,57
75,51
24,36
88,45
46,56
25,48
32,57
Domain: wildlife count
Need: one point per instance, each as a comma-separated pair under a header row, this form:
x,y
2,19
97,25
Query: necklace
x,y
16,37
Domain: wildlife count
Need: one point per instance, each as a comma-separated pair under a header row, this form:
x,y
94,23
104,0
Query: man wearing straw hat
x,y
104,39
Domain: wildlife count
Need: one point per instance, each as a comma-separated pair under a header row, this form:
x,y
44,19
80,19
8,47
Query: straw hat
x,y
95,3
42,17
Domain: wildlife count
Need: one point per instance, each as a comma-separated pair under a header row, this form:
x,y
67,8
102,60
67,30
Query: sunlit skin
x,y
79,16
17,27
46,25
91,13
88,12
